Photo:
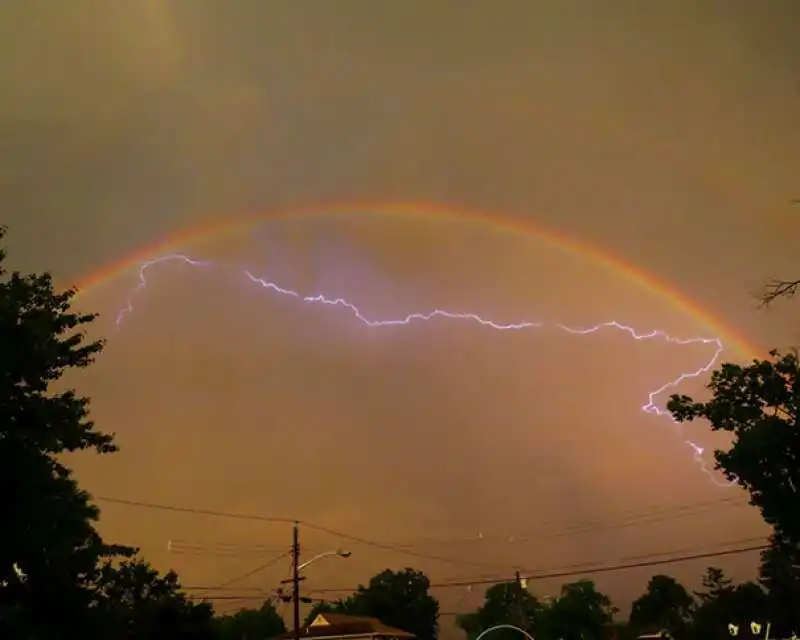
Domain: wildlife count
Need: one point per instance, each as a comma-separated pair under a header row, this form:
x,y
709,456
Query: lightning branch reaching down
x,y
650,407
173,257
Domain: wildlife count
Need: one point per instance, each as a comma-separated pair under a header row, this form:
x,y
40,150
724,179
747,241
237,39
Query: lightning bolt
x,y
650,407
142,285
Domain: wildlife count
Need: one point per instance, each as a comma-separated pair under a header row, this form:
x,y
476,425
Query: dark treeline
x,y
59,579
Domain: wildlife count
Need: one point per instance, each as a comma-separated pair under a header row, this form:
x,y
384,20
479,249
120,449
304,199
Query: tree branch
x,y
776,288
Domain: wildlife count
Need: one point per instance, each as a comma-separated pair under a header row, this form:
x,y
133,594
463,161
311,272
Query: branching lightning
x,y
650,407
142,285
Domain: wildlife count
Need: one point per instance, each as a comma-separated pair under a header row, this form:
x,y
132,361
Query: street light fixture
x,y
298,567
342,553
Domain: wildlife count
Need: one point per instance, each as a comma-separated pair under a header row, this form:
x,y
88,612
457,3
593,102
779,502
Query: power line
x,y
575,569
695,548
660,515
252,572
409,552
176,544
178,547
586,566
643,517
588,571
198,512
219,553
636,517
345,536
406,550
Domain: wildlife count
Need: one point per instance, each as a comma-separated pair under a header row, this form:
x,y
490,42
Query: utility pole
x,y
296,579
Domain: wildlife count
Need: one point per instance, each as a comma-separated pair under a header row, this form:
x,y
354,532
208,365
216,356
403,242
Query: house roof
x,y
330,625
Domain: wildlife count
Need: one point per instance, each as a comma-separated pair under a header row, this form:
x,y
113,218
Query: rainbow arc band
x,y
149,257
198,235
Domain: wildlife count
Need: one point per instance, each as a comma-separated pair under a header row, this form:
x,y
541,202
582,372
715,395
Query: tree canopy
x,y
400,599
665,605
504,603
48,532
721,602
140,604
757,404
263,622
579,611
57,578
779,575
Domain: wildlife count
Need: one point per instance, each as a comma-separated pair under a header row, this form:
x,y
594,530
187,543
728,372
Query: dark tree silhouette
x,y
139,604
779,574
399,599
58,578
715,585
504,603
264,622
49,547
722,603
580,611
665,605
757,404
777,288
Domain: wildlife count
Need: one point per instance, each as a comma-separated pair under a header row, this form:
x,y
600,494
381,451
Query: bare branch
x,y
775,289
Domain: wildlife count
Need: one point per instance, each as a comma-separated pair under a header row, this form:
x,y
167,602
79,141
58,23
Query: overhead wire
x,y
656,559
252,572
345,536
589,571
638,516
662,513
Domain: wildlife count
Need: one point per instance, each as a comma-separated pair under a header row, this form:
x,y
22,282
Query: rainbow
x,y
617,266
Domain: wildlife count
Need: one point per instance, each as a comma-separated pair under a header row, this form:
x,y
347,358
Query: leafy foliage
x,y
139,604
56,576
722,603
580,611
758,405
504,603
48,534
264,622
399,599
665,605
780,576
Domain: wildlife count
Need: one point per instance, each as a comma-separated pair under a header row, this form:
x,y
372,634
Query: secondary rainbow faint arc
x,y
205,233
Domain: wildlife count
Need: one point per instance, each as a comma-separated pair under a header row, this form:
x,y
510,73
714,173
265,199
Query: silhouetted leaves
x,y
758,405
665,605
580,611
722,603
780,576
56,580
399,599
47,521
263,622
504,603
138,604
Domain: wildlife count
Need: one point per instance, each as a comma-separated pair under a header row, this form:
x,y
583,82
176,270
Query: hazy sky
x,y
664,132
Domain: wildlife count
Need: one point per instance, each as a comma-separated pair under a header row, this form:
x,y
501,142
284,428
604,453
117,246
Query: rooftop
x,y
336,625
